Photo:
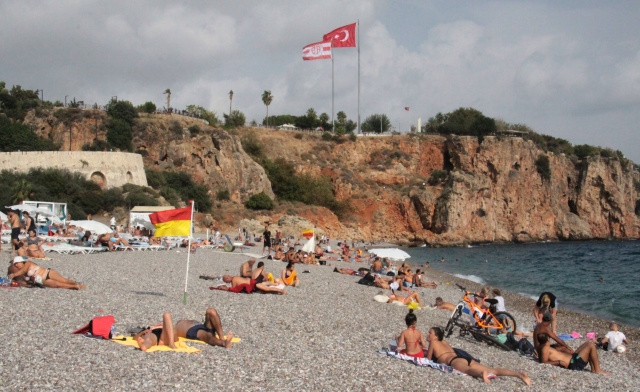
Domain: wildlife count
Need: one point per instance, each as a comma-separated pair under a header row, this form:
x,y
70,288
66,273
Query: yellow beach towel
x,y
181,345
291,279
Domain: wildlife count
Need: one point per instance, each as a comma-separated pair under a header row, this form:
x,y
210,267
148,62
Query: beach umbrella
x,y
32,210
390,253
93,226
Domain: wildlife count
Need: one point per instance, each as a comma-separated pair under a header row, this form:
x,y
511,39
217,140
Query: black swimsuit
x,y
454,358
157,332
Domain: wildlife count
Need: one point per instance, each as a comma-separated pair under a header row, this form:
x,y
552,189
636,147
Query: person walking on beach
x,y
266,236
585,354
441,352
15,229
412,338
546,303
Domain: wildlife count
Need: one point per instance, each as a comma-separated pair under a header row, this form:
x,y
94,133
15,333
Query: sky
x,y
569,69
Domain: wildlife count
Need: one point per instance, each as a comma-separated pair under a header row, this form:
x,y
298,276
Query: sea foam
x,y
472,278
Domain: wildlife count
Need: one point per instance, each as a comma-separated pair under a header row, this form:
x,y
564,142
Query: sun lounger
x,y
68,249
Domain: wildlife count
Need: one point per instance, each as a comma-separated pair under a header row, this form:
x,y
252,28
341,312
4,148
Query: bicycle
x,y
487,322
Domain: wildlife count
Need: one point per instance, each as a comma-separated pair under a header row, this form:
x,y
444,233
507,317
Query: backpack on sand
x,y
526,348
98,327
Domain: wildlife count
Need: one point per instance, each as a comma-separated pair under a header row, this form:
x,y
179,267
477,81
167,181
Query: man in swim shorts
x,y
585,354
266,236
210,332
245,268
15,229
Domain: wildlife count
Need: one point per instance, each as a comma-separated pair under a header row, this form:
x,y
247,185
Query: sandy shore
x,y
323,335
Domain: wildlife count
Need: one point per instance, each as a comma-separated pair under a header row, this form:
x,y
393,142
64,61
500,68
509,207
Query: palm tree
x,y
168,92
230,100
21,191
266,99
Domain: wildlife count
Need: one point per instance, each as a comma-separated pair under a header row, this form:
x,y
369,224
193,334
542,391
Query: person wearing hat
x,y
544,327
39,276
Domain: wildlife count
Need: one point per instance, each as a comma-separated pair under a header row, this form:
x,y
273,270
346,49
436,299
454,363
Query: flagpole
x,y
358,43
186,278
333,121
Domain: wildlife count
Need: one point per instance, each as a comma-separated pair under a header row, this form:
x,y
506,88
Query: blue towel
x,y
565,336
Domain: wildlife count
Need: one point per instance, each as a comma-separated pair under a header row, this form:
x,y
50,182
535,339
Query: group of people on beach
x,y
250,280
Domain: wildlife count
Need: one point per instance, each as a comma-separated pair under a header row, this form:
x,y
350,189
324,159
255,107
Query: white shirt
x,y
500,305
113,221
328,248
615,339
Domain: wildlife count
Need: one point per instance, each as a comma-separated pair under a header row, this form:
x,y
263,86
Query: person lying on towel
x,y
157,335
240,284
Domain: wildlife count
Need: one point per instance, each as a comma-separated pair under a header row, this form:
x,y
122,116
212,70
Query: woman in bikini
x,y
405,300
157,335
441,352
39,276
412,338
289,276
34,245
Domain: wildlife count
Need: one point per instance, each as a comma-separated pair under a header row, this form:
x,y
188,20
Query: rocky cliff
x,y
490,192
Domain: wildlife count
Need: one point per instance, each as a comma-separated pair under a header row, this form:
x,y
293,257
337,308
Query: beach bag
x,y
526,348
367,280
98,327
511,342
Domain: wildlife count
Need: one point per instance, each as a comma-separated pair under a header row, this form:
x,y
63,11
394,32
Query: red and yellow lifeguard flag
x,y
172,223
307,233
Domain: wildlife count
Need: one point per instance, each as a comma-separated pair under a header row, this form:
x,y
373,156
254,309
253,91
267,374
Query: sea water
x,y
570,270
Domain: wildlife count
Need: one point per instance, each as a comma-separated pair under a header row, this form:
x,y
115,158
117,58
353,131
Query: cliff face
x,y
213,156
492,191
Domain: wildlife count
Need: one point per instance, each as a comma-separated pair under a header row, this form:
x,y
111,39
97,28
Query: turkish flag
x,y
317,51
343,37
406,108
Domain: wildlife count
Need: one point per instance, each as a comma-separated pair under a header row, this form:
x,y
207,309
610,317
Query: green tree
x,y
199,111
324,121
147,107
21,191
119,134
341,117
266,99
376,123
122,110
235,119
260,201
230,100
483,126
16,136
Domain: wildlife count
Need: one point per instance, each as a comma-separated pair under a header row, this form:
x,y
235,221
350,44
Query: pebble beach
x,y
322,335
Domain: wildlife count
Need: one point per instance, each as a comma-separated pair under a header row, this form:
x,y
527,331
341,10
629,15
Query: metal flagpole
x,y
333,121
186,278
358,43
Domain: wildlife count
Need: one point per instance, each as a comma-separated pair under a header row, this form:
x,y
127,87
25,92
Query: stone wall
x,y
109,169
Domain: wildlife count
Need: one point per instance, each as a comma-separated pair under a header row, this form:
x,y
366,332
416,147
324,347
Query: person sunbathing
x,y
440,304
34,245
259,274
544,327
289,255
441,352
111,240
158,335
585,354
377,267
279,252
289,276
39,276
344,271
240,284
405,300
210,332
245,268
418,281
412,338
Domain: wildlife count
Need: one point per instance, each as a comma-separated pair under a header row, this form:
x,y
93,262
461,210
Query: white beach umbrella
x,y
93,226
390,253
31,209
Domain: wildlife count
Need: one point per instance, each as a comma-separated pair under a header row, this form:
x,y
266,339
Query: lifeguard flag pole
x,y
186,278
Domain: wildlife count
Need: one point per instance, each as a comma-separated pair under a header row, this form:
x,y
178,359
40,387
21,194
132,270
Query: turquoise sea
x,y
570,270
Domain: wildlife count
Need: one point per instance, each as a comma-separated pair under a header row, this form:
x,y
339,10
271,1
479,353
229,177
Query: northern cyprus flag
x,y
317,51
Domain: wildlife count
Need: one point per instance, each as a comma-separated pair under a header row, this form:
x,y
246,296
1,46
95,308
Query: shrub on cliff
x,y
184,185
326,136
542,166
252,146
119,135
235,119
194,130
147,107
260,201
16,136
437,176
223,194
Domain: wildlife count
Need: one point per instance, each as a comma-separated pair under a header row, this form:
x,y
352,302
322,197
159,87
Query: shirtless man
x,y
585,354
376,266
210,332
543,327
279,252
440,304
419,282
288,257
15,229
245,268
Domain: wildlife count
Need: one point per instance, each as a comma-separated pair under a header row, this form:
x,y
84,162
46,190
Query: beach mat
x,y
181,345
422,362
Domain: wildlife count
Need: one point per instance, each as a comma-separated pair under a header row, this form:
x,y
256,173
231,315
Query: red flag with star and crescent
x,y
343,37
